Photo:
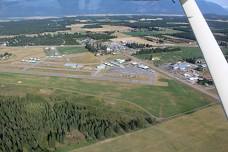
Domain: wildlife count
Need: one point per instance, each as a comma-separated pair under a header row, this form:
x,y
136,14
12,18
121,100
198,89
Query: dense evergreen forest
x,y
137,45
45,39
101,36
55,39
35,26
34,123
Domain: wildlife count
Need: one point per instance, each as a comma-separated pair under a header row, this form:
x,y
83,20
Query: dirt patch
x,y
47,92
83,58
133,39
74,137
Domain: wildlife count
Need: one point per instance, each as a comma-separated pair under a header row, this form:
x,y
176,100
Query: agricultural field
x,y
140,40
205,130
104,28
145,32
72,50
172,57
22,52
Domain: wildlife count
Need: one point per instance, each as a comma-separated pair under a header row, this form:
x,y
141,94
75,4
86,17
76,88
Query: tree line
x,y
54,39
137,45
35,26
156,50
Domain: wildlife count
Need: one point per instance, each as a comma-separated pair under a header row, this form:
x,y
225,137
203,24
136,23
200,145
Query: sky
x,y
223,3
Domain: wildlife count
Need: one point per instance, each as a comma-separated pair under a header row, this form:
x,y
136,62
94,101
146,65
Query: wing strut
x,y
213,55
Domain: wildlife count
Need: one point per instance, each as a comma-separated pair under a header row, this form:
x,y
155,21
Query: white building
x,y
120,61
101,67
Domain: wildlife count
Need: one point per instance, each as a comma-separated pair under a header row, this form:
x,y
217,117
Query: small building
x,y
108,50
183,66
143,67
101,67
108,64
120,61
193,79
134,63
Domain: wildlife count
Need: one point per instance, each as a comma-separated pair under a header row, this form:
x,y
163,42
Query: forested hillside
x,y
35,123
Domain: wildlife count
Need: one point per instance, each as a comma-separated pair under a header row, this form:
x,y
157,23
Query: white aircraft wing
x,y
213,55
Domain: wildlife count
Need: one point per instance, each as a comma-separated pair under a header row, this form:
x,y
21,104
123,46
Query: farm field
x,y
105,28
159,101
139,40
172,57
142,33
20,53
203,131
72,50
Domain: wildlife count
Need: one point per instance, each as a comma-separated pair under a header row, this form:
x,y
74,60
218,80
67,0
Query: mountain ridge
x,y
82,7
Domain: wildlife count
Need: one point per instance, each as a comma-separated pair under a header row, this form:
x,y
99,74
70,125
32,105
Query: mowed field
x,y
171,57
72,50
133,39
105,28
159,101
203,131
120,31
142,33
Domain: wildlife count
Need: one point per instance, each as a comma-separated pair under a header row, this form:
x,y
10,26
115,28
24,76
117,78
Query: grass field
x,y
203,131
159,101
172,57
144,32
72,50
105,28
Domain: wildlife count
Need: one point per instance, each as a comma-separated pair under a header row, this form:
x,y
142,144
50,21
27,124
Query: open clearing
x,y
142,33
20,53
160,101
172,57
120,31
106,28
203,131
72,50
133,39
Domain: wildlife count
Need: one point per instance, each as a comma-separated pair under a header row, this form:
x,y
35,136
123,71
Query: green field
x,y
145,32
172,57
157,100
203,131
72,50
46,105
107,99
